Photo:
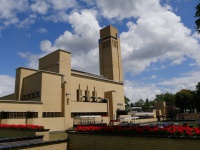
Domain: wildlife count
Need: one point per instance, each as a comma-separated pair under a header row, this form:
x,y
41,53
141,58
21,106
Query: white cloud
x,y
40,6
139,90
42,30
177,62
9,8
51,10
26,22
46,46
82,42
62,4
154,76
127,9
7,85
32,59
186,81
135,91
157,38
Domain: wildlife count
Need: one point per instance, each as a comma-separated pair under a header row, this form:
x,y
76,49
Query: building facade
x,y
54,95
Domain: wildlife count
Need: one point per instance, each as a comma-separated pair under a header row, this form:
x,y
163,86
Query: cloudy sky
x,y
160,48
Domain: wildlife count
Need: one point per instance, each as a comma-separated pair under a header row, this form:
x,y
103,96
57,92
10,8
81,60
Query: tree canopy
x,y
197,15
185,99
167,97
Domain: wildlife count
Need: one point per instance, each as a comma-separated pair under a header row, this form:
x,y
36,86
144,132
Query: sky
x,y
159,45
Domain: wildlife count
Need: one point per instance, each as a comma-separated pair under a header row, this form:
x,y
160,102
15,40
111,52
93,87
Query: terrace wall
x,y
113,142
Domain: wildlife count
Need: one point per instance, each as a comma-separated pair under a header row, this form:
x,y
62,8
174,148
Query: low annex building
x,y
54,95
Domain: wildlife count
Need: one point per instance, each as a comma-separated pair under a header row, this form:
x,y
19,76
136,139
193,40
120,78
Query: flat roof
x,y
92,76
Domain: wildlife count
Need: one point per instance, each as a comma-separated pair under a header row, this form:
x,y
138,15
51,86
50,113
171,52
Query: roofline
x,y
42,71
54,52
21,102
26,68
109,26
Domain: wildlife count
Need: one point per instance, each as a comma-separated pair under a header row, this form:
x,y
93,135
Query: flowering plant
x,y
22,126
144,130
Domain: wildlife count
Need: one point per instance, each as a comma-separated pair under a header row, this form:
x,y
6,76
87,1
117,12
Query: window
x,y
11,115
32,95
103,114
52,114
31,114
37,94
103,45
24,97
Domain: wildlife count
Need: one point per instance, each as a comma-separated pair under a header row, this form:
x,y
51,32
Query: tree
x,y
146,105
185,99
170,102
139,103
126,100
132,104
197,15
167,97
197,96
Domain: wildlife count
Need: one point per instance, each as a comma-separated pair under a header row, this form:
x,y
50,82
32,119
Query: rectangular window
x,y
28,96
52,114
32,114
38,94
32,95
44,114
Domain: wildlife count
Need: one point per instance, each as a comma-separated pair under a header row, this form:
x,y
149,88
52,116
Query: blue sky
x,y
160,47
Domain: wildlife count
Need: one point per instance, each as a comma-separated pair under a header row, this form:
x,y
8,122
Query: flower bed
x,y
142,130
21,130
22,127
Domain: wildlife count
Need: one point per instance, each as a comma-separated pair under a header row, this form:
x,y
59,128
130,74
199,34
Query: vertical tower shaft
x,y
110,54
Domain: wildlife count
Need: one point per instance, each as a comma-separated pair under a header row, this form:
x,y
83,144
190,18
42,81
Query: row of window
x,y
108,43
49,66
11,115
103,114
52,114
31,95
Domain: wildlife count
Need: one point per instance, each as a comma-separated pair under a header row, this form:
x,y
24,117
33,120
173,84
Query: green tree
x,y
197,96
126,100
139,103
132,104
146,105
167,97
197,15
170,102
185,99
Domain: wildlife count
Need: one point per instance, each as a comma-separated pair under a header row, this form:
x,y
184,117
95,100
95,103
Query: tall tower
x,y
110,54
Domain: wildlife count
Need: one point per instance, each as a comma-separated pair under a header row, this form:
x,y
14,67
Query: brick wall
x,y
112,142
